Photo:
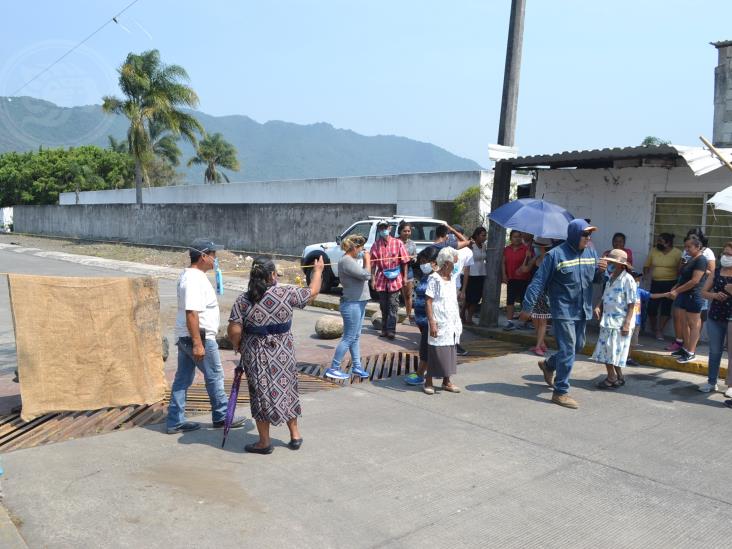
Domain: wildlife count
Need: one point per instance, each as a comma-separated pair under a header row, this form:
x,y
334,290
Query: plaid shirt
x,y
388,254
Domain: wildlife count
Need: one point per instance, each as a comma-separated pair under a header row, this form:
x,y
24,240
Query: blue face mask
x,y
360,255
610,268
537,250
384,233
455,270
426,268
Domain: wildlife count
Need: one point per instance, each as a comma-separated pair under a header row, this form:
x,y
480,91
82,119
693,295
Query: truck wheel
x,y
326,282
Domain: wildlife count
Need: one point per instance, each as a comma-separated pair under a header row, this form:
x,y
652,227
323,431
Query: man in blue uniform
x,y
567,273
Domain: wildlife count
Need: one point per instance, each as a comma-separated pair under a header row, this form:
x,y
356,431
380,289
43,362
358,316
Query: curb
x,y
645,358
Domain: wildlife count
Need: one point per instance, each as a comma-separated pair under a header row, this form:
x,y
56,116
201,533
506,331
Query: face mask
x,y
660,247
611,268
726,261
537,250
360,255
384,233
426,268
455,270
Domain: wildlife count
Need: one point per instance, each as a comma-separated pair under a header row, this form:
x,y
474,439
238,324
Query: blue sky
x,y
594,74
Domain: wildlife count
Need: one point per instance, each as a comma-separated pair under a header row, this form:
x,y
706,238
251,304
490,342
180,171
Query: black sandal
x,y
620,382
607,384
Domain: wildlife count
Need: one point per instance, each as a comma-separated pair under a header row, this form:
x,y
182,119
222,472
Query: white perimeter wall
x,y
621,199
413,194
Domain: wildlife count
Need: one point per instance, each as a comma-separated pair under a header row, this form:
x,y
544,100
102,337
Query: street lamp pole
x,y
502,173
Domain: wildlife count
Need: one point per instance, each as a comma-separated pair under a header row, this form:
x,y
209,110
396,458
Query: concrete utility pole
x,y
502,173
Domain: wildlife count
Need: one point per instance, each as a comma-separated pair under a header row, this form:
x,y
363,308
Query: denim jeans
x,y
717,331
213,375
389,303
570,336
352,313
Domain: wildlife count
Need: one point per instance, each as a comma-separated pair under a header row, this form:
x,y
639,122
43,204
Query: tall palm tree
x,y
213,151
152,91
163,143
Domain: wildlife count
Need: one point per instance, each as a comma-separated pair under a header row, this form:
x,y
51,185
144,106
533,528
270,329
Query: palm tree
x,y
212,151
152,91
117,145
163,143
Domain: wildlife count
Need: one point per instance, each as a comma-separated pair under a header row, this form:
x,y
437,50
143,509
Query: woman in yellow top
x,y
662,266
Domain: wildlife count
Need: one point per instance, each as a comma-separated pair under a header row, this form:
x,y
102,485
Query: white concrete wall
x,y
413,194
621,199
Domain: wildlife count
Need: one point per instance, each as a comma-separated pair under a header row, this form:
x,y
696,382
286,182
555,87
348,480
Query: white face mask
x,y
426,268
726,261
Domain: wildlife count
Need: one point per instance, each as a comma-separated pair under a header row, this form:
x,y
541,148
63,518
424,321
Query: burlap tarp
x,y
86,343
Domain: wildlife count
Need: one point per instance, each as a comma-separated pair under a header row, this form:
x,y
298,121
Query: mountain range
x,y
270,151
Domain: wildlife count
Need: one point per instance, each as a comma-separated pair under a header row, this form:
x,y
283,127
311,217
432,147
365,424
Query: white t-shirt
x,y
706,252
465,259
478,266
195,293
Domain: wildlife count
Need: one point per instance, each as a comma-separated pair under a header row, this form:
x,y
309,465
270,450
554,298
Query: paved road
x,y
385,466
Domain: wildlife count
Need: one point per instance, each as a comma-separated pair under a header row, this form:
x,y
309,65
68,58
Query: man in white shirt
x,y
196,328
465,261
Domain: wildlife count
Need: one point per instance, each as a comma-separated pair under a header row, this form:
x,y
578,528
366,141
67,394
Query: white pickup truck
x,y
423,234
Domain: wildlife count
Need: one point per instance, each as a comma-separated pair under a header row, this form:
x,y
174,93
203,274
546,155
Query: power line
x,y
44,71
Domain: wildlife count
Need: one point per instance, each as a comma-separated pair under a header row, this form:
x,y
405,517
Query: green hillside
x,y
274,150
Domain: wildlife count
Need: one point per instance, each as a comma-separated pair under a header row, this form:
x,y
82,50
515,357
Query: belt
x,y
269,329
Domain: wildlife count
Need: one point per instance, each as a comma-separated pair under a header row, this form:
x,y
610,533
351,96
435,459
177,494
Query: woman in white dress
x,y
443,317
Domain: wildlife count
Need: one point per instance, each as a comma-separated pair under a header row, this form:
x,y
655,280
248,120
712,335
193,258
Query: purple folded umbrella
x,y
231,407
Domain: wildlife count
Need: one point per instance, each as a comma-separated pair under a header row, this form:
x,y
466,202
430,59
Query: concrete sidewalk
x,y
649,353
384,465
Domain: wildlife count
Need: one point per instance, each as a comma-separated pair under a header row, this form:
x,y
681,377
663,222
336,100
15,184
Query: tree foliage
x,y
153,95
39,177
214,151
653,141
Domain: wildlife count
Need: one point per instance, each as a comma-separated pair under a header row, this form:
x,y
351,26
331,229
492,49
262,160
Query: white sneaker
x,y
728,393
707,388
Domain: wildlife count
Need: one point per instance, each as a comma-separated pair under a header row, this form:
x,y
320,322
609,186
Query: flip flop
x,y
451,388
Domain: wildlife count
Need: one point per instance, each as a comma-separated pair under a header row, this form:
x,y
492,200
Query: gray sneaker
x,y
509,327
184,428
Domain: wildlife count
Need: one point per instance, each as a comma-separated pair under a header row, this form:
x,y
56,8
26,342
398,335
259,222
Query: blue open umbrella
x,y
531,215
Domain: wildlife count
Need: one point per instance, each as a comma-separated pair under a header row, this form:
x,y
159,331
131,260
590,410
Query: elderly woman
x,y
616,313
355,281
443,318
259,328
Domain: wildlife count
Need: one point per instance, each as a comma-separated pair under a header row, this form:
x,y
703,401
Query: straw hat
x,y
619,257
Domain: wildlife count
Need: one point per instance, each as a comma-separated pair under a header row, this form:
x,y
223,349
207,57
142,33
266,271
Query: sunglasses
x,y
586,234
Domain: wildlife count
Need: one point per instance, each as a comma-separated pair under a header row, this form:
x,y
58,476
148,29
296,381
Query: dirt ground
x,y
231,263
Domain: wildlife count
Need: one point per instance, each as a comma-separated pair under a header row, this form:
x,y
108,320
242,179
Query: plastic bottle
x,y
219,278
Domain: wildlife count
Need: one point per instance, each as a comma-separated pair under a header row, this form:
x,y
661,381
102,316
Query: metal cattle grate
x,y
15,434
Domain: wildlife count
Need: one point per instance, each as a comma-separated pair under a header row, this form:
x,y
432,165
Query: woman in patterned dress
x,y
259,328
541,314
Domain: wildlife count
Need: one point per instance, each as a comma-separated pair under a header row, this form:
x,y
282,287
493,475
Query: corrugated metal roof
x,y
580,158
702,160
699,159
